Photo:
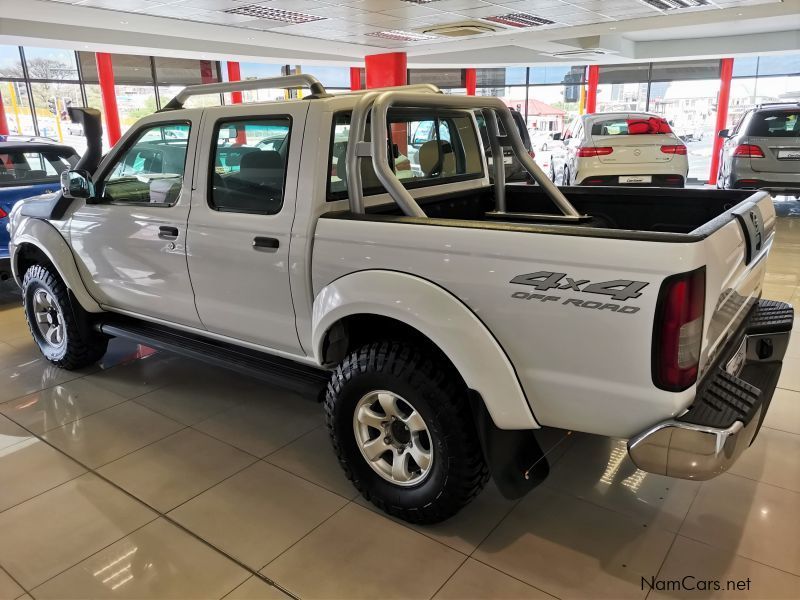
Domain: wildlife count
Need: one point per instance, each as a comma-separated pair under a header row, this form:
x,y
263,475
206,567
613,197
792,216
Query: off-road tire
x,y
81,346
435,390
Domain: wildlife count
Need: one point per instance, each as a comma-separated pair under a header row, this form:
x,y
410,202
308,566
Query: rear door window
x,y
249,169
427,147
775,123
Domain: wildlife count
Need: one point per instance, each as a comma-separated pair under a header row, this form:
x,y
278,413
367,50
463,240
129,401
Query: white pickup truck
x,y
449,314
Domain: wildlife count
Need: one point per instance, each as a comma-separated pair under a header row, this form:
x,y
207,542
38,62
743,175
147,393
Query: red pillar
x,y
105,75
386,70
3,122
235,74
592,80
725,76
355,78
471,81
207,72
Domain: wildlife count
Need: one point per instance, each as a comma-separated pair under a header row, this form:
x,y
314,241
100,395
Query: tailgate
x,y
736,265
638,149
781,155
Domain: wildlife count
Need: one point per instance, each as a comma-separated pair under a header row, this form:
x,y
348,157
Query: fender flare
x,y
50,242
442,318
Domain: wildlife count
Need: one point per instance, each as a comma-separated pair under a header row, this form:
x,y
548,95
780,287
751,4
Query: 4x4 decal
x,y
620,290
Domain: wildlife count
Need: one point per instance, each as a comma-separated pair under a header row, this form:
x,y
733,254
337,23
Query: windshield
x,y
776,123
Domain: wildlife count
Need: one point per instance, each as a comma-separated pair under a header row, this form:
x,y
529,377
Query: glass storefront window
x,y
10,62
128,68
631,73
133,103
168,92
551,107
51,63
690,106
558,74
616,97
185,71
331,77
50,101
260,70
17,106
782,64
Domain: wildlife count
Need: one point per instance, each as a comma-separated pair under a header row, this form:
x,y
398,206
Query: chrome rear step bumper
x,y
729,408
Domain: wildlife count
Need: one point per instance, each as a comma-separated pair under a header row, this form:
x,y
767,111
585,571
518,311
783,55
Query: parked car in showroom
x,y
28,167
447,316
621,148
763,150
514,169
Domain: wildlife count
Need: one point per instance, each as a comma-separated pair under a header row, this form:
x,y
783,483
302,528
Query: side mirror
x,y
77,184
557,137
724,133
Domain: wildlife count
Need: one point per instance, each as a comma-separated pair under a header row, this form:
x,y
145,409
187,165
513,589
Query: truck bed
x,y
658,214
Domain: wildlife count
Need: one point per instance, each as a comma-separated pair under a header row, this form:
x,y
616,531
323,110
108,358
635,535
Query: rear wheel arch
x,y
363,307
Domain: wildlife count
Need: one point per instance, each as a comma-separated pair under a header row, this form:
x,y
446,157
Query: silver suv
x,y
763,150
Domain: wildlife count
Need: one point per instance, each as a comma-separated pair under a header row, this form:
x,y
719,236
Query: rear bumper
x,y
670,180
728,409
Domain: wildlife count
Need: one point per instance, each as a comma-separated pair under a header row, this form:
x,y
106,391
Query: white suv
x,y
621,148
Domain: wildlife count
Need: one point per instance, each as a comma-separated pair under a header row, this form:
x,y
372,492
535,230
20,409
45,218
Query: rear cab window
x,y
18,167
775,123
428,147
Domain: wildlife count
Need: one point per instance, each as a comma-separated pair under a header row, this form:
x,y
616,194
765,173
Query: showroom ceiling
x,y
432,32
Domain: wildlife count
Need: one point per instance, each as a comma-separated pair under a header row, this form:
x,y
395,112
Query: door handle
x,y
167,232
267,243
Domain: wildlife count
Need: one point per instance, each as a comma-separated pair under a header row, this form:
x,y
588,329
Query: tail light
x,y
748,151
589,151
678,330
3,214
674,149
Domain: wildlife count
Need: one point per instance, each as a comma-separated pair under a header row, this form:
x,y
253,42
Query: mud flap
x,y
515,459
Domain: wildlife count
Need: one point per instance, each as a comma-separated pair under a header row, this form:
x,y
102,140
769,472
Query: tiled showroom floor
x,y
156,476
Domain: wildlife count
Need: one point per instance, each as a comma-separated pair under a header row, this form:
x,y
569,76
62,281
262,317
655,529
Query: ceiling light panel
x,y
258,11
519,20
676,4
399,35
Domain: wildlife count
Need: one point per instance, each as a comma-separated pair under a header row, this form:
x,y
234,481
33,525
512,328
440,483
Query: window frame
x,y
331,196
212,157
135,135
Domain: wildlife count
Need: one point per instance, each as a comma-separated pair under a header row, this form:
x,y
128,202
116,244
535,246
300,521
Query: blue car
x,y
28,167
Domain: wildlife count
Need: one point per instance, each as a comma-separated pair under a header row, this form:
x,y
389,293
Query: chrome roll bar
x,y
286,82
379,103
358,148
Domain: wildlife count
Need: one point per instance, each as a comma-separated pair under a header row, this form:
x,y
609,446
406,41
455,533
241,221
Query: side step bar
x,y
300,378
